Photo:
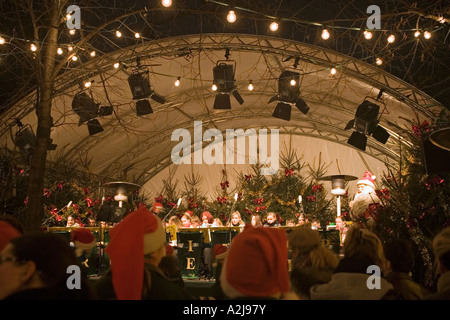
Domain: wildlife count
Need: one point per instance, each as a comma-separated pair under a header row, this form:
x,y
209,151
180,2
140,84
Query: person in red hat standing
x,y
84,241
366,203
157,208
137,246
256,266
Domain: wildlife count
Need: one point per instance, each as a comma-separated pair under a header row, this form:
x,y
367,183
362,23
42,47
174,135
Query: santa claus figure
x,y
366,203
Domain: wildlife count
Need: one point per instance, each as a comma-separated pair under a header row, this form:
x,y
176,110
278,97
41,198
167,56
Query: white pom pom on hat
x,y
367,179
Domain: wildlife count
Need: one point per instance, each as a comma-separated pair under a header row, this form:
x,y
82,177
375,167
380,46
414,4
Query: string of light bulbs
x,y
232,17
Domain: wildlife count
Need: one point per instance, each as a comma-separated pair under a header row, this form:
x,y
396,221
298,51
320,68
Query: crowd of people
x,y
262,262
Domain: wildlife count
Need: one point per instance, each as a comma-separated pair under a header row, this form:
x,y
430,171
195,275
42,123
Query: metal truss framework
x,y
318,126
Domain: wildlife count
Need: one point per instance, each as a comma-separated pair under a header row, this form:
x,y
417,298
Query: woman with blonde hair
x,y
236,220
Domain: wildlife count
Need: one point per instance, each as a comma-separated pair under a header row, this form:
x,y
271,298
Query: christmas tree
x,y
416,205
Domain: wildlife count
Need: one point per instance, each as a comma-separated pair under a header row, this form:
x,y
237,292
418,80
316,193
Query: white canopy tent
x,y
138,148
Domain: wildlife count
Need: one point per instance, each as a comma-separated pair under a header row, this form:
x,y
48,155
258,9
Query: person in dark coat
x,y
441,249
35,267
400,259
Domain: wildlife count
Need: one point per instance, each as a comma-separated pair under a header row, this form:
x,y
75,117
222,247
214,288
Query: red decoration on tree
x,y
288,172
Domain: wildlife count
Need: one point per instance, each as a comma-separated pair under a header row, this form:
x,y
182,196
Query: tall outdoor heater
x,y
338,187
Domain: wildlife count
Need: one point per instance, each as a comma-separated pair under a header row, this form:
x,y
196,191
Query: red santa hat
x,y
219,251
139,233
189,212
367,179
83,239
7,233
157,205
169,250
256,265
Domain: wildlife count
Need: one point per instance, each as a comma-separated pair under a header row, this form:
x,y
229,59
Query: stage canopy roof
x,y
137,148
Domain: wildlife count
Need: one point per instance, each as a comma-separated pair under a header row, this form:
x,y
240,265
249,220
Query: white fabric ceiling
x,y
138,148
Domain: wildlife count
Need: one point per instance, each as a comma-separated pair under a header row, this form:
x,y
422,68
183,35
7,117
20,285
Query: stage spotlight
x,y
288,95
224,80
84,107
88,111
282,111
141,90
25,139
366,124
143,107
94,127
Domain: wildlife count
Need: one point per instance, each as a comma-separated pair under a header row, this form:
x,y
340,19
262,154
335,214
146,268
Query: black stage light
x,y
84,107
88,110
94,127
25,139
143,107
105,111
139,85
282,111
141,90
288,94
222,101
223,74
366,124
358,140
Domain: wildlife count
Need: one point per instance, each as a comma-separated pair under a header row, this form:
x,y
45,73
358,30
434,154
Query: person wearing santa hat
x,y
157,208
366,203
84,241
256,266
7,232
35,266
137,245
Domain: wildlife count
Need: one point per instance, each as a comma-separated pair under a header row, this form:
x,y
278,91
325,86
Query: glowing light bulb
x,y
33,47
391,38
325,34
68,16
59,51
74,58
231,17
214,87
293,82
417,34
274,26
87,84
379,61
177,82
72,31
166,3
427,35
250,86
441,19
333,71
116,65
92,53
118,34
368,35
2,40
70,48
137,35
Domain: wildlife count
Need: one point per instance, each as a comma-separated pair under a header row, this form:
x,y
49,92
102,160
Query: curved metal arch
x,y
160,164
312,128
